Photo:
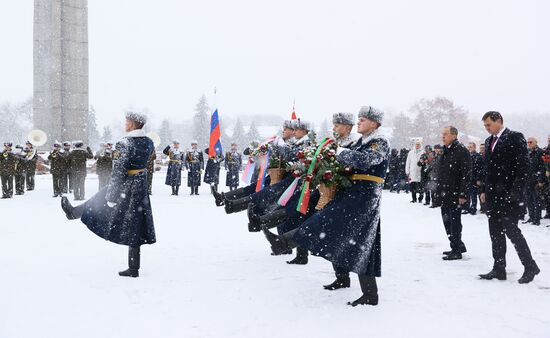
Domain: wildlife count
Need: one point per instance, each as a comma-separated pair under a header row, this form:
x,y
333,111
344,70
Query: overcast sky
x,y
328,55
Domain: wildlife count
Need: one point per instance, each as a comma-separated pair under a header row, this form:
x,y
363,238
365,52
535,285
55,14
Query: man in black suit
x,y
506,164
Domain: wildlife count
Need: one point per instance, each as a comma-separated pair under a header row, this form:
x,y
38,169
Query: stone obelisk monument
x,y
60,106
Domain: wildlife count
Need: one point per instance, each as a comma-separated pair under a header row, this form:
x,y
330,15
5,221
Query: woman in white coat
x,y
413,171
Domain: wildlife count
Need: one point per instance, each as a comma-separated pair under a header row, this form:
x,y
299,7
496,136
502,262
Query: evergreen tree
x,y
165,132
253,133
107,134
239,136
91,130
201,123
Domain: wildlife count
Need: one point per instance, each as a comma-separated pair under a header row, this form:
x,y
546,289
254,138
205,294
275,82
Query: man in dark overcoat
x,y
454,176
104,164
534,193
31,157
19,173
78,157
121,212
67,180
506,167
7,169
347,230
194,163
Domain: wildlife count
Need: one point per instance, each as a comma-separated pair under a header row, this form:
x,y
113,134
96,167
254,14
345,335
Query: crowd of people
x,y
508,176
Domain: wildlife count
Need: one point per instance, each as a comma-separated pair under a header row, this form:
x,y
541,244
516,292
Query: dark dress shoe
x,y
536,223
452,256
498,274
529,275
339,283
365,300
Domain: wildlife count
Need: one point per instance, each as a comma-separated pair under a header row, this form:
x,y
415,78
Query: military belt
x,y
366,177
176,161
135,171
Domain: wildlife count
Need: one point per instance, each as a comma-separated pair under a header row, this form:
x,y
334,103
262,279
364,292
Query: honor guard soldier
x,y
19,173
57,168
212,170
30,165
122,212
104,164
7,169
194,162
78,157
233,163
175,166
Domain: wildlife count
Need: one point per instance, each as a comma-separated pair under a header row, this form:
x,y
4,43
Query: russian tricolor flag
x,y
215,133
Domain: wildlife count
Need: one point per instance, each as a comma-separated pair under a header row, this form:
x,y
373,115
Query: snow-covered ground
x,y
209,277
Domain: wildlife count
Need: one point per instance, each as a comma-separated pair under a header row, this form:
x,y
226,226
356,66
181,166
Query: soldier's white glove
x,y
111,204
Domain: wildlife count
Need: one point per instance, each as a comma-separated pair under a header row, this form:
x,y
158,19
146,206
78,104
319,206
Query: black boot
x,y
240,204
173,190
196,190
301,257
133,263
270,220
499,274
235,194
70,211
370,291
192,191
177,190
280,244
529,274
340,283
218,197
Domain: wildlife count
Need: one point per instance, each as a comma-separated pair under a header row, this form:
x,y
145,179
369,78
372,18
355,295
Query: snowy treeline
x,y
15,121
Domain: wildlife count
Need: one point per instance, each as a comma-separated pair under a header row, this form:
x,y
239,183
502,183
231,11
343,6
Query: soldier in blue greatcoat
x,y
176,159
121,212
194,163
347,230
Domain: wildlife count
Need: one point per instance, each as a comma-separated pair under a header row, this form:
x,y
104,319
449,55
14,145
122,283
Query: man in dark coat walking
x,y
506,164
536,178
454,175
78,158
194,162
121,212
347,230
233,163
473,186
104,164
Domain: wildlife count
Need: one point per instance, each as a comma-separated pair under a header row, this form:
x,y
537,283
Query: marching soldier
x,y
122,213
66,179
7,169
194,162
57,169
212,170
30,165
233,163
104,164
150,172
173,174
78,157
19,170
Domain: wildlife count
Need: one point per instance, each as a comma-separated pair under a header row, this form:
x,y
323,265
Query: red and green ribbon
x,y
303,202
263,171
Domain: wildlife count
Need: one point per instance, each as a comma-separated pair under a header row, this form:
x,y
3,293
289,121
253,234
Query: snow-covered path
x,y
209,277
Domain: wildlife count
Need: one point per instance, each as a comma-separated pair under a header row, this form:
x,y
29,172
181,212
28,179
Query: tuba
x,y
37,137
154,137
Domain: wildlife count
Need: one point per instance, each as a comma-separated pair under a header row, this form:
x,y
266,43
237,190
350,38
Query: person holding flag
x,y
214,152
